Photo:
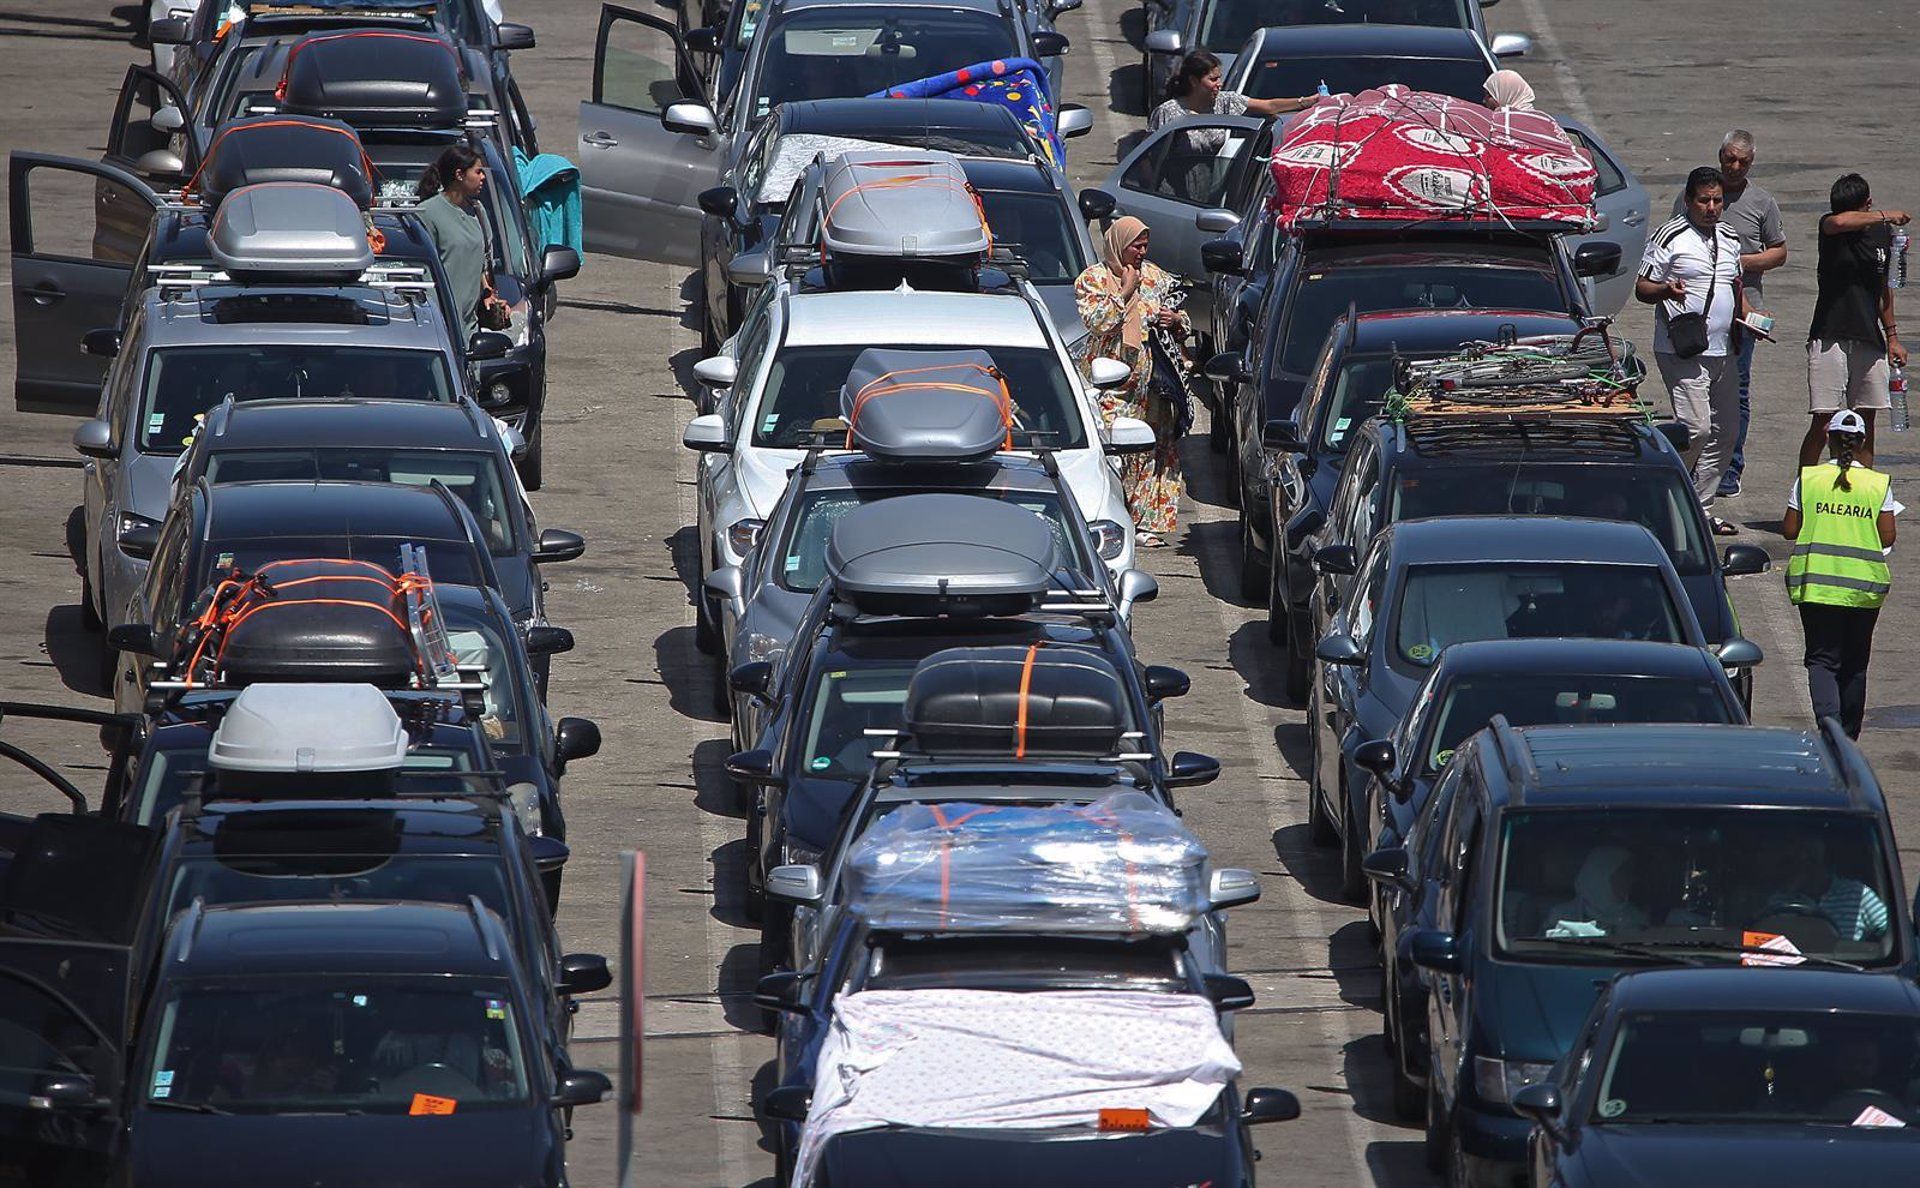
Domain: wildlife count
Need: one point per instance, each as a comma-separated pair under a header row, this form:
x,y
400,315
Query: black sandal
x,y
1724,527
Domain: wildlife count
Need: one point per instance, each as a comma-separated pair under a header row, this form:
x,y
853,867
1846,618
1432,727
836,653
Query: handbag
x,y
1687,332
492,316
1170,380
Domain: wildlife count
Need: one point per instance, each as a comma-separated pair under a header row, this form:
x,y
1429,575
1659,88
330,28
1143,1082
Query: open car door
x,y
63,1048
640,180
152,136
70,272
1173,175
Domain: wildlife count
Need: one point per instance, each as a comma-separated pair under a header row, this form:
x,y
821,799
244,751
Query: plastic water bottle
x,y
1897,267
1323,91
1897,390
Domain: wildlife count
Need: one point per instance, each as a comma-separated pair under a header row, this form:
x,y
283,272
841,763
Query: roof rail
x,y
1579,374
1851,766
177,281
1515,756
477,912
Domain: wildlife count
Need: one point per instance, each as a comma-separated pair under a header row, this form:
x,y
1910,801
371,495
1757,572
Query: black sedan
x,y
1711,1077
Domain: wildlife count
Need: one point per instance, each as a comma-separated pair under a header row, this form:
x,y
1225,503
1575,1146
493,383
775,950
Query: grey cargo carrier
x,y
301,728
289,230
926,406
938,554
901,204
1022,701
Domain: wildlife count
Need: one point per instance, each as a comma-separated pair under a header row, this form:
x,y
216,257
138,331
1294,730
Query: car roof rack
x,y
1581,374
488,790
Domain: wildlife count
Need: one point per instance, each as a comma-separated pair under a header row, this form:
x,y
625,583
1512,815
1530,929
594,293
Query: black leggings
x,y
1839,644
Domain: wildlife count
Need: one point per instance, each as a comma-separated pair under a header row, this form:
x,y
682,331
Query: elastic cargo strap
x,y
900,182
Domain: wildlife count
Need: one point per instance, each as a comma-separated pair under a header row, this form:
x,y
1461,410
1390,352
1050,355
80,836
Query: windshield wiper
x,y
1723,949
186,1107
1643,950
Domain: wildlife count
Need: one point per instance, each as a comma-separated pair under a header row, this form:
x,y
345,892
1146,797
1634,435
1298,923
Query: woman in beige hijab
x,y
1118,298
1507,91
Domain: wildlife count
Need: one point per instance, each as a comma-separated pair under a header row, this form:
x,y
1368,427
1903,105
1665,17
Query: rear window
x,y
1323,294
1025,962
1278,77
1449,604
1228,23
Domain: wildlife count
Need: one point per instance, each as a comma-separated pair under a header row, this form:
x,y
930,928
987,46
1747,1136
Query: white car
x,y
782,373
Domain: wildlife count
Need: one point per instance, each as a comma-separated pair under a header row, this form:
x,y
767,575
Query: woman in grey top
x,y
1194,90
447,191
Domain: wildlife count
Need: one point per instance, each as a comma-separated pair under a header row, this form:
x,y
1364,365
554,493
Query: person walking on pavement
x,y
1840,520
1754,215
1853,333
1692,276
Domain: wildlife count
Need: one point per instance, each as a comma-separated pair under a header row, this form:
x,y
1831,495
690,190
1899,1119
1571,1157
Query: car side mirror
x,y
1741,560
717,371
707,434
690,119
798,884
163,164
750,269
1376,756
544,639
1269,1105
753,678
1340,649
1228,992
511,36
559,263
1073,119
1739,652
102,342
1511,45
704,40
488,344
1103,372
94,439
1227,367
1136,586
133,638
754,768
1165,41
1164,681
1435,950
557,545
1190,769
581,1087
727,583
1217,221
788,1103
140,543
1336,560
583,973
1097,206
1129,435
576,738
1222,257
722,202
1049,44
1539,1101
1281,436
1231,887
1597,259
170,31
1388,866
62,1091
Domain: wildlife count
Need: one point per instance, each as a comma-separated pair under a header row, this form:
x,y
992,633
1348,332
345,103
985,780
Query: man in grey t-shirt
x,y
1753,213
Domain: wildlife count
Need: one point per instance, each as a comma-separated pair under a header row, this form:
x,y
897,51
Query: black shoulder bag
x,y
1687,332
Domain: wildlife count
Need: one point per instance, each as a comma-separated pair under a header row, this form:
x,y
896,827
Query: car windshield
x,y
262,861
802,394
448,561
1449,604
1039,229
1831,1068
1025,963
477,642
335,1044
1530,700
473,476
1658,498
1575,882
1326,293
168,774
184,383
846,703
838,51
1284,77
1228,23
803,563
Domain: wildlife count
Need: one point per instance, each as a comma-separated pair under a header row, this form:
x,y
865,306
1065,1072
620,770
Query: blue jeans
x,y
1738,463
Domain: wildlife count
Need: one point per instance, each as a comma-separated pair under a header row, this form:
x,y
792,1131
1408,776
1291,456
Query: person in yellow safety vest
x,y
1840,519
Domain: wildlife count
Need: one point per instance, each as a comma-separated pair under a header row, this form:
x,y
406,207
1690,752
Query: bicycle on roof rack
x,y
1583,372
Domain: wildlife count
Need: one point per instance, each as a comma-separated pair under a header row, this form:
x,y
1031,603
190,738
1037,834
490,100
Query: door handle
x,y
47,294
1634,218
599,139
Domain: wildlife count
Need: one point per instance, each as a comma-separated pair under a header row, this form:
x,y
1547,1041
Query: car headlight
x,y
792,853
1110,537
742,535
1497,1081
525,799
129,521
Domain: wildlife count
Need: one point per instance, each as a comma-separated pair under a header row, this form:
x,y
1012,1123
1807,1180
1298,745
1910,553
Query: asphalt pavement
x,y
1821,87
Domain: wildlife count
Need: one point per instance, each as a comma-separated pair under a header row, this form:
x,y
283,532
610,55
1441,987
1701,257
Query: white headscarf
x,y
1507,91
1594,894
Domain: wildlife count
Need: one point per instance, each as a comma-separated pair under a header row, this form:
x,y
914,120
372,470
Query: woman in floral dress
x,y
1118,298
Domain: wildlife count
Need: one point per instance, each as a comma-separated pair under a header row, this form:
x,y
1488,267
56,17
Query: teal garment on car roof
x,y
551,185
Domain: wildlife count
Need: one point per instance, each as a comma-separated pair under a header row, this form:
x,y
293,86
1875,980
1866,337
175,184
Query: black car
x,y
1722,1077
1426,584
1563,865
1320,274
299,1040
1530,682
1466,463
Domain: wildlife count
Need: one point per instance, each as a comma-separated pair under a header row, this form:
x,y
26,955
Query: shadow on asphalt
x,y
1316,869
691,679
122,25
714,790
77,654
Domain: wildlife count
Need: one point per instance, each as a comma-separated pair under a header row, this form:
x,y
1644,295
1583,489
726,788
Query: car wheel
x,y
722,696
89,617
1407,1094
1353,881
1220,424
709,339
1439,1141
706,631
1253,566
1319,825
528,463
550,881
1235,497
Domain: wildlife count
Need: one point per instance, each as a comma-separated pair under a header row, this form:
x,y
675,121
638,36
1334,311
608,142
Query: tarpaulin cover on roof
x,y
1018,84
1397,154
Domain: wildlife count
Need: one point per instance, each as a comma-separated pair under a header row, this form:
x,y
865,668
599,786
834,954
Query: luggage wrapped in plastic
x,y
1023,701
1395,154
1122,864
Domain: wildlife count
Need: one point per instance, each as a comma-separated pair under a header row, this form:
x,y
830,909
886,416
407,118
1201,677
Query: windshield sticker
x,y
1875,1116
793,563
1613,1107
223,561
427,1103
1774,949
769,424
496,1009
821,763
1340,426
155,423
163,1083
1420,653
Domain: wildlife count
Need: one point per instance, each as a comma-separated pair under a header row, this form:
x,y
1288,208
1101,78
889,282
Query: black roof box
x,y
926,406
932,555
277,148
1032,701
319,620
376,78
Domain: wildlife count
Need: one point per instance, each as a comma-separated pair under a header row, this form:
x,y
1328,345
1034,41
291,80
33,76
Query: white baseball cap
x,y
1847,421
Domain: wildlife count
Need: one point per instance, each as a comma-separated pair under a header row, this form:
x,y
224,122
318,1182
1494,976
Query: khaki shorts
x,y
1846,373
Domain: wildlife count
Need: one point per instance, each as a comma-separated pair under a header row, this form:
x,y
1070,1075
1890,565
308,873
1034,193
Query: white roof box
x,y
901,202
289,231
309,729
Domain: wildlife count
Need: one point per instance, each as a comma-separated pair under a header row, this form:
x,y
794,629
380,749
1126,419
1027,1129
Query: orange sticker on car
x,y
427,1103
1122,1119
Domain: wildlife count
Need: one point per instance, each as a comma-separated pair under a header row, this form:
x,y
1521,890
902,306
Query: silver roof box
x,y
926,406
931,555
289,231
900,203
309,729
